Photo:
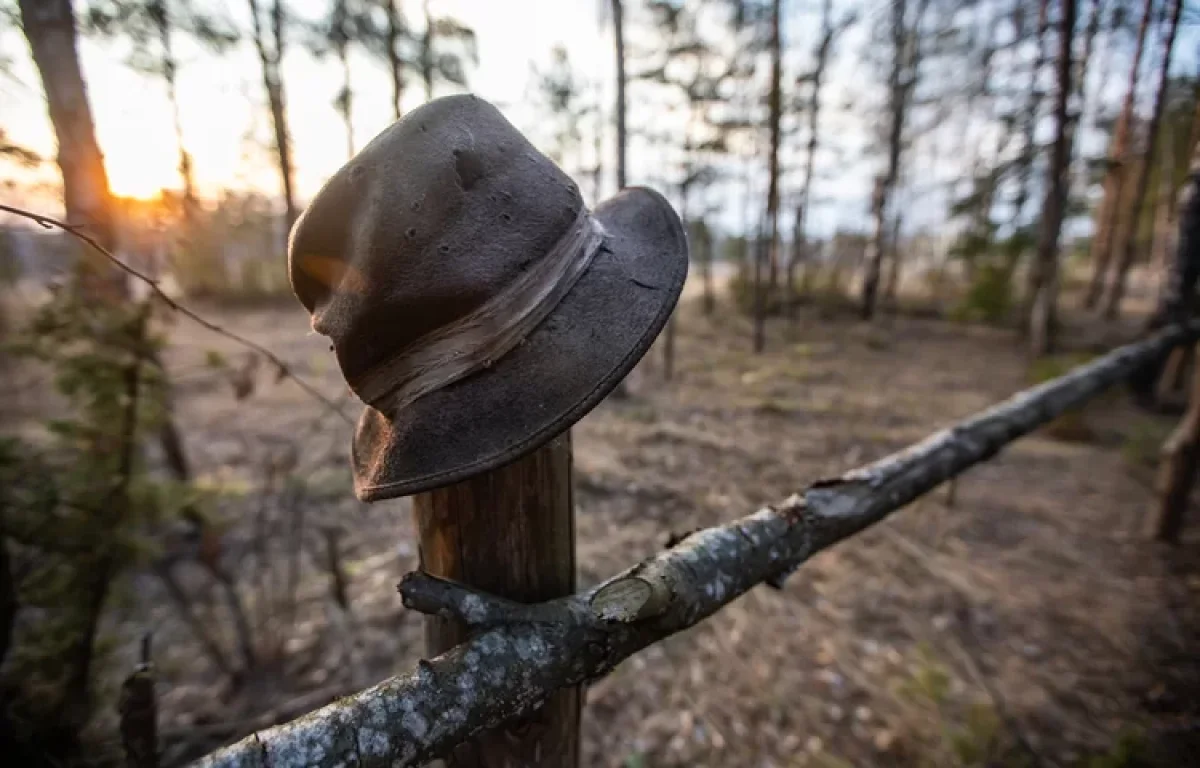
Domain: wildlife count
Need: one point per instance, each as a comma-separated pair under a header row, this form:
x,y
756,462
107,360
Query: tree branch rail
x,y
523,653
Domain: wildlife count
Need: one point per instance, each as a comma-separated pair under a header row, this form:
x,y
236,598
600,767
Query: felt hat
x,y
474,303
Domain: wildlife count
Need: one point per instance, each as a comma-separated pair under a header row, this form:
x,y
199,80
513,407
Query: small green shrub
x,y
989,297
74,506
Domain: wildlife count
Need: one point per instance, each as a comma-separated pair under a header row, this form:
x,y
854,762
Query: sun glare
x,y
139,180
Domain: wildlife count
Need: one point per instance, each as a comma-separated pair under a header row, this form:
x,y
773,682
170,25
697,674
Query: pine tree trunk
x,y
622,390
395,63
873,257
709,301
270,57
1079,83
1178,295
49,26
1167,241
893,279
902,81
1114,179
810,151
775,105
1024,169
427,54
1177,470
346,99
794,261
1043,319
170,66
1117,290
619,42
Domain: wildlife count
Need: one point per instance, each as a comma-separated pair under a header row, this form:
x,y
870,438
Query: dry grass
x,y
1030,617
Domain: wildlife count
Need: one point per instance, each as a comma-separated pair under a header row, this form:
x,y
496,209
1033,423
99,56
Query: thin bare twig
x,y
281,366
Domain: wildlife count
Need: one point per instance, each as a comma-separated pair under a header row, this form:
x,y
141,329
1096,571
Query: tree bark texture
x,y
524,653
1177,471
1114,179
1116,291
510,533
1044,283
395,63
49,26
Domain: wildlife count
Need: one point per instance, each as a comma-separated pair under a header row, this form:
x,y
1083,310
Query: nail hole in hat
x,y
443,249
506,216
469,168
412,232
416,206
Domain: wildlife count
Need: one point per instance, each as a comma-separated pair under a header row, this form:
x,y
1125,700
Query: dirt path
x,y
1029,612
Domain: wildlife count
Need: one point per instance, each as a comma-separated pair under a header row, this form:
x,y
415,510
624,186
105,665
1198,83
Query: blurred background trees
x,y
1017,163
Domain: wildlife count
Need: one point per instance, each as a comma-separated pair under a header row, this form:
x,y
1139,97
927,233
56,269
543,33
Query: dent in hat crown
x,y
435,216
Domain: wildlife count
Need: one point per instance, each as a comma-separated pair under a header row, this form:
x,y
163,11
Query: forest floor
x,y
1025,621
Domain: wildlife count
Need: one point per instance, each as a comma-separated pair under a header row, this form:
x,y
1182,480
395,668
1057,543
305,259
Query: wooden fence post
x,y
510,532
1177,470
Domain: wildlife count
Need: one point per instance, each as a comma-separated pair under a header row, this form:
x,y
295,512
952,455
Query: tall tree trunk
x,y
270,57
669,332
162,22
619,43
598,148
1176,302
794,261
893,280
775,105
800,234
1178,296
1024,169
901,79
1166,232
1079,84
622,390
427,53
1117,290
49,26
395,63
705,248
1043,320
1114,178
346,98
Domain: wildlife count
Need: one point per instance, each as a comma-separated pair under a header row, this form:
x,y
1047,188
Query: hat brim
x,y
567,365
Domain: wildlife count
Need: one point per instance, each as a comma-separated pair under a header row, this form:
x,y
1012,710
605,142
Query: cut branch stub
x,y
631,599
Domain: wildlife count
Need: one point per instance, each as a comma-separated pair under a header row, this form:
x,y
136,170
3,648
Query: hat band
x,y
475,341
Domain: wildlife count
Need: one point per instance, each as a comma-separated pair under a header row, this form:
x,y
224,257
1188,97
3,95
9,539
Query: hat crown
x,y
434,217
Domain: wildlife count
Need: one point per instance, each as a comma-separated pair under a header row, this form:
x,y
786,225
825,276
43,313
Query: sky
x,y
221,96
226,128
